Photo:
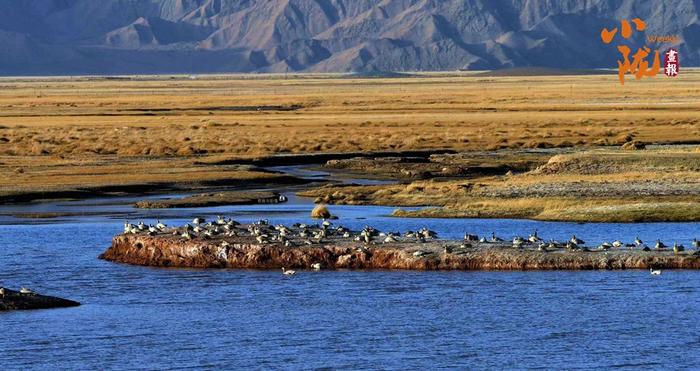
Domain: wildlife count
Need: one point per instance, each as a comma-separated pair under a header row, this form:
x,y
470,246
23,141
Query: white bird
x,y
316,266
288,272
390,238
655,272
471,237
518,242
534,238
678,248
128,226
576,241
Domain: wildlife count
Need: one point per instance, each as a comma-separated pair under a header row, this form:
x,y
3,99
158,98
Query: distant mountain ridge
x,y
45,37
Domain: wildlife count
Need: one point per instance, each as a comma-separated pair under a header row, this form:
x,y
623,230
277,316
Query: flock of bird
x,y
308,234
575,243
264,232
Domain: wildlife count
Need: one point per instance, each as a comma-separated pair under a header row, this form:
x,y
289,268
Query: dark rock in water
x,y
17,300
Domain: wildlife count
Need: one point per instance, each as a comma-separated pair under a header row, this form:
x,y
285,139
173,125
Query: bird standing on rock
x,y
533,238
471,237
576,241
390,238
495,238
152,231
518,242
127,226
678,248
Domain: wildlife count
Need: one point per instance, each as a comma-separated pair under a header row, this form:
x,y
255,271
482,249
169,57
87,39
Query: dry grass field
x,y
65,133
603,185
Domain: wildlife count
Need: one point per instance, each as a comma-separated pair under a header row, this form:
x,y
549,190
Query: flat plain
x,y
61,134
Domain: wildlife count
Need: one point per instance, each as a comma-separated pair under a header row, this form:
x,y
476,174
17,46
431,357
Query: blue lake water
x,y
139,317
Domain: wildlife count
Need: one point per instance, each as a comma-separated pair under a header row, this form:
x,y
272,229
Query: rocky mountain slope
x,y
192,36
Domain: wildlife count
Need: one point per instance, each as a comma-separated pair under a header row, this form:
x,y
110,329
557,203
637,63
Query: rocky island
x,y
227,244
28,299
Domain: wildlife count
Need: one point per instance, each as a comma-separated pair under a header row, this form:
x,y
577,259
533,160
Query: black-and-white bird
x,y
576,241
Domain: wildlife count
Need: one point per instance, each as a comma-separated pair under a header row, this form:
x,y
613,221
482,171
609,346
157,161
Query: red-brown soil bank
x,y
244,252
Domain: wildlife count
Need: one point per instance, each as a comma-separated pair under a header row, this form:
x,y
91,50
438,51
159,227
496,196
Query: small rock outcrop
x,y
321,212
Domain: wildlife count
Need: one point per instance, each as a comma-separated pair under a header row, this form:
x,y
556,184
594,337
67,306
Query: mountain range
x,y
50,37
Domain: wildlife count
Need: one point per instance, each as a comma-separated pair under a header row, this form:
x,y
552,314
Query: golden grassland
x,y
30,177
597,185
63,133
184,117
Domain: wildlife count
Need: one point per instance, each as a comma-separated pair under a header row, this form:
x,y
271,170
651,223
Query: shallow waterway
x,y
138,317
